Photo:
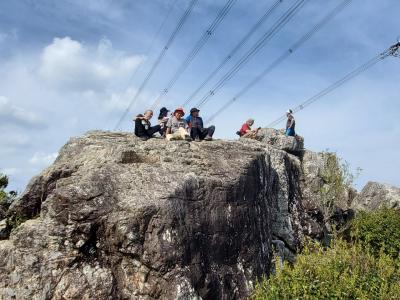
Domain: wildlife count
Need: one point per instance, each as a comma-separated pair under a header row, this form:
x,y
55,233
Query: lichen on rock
x,y
118,218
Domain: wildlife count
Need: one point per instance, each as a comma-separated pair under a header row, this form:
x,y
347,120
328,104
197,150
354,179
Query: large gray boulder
x,y
119,218
376,195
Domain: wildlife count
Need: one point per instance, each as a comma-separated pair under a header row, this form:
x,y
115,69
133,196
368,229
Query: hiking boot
x,y
208,138
188,138
144,138
197,139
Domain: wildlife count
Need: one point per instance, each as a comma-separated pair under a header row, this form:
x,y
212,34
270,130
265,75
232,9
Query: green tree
x,y
379,231
337,181
6,198
365,267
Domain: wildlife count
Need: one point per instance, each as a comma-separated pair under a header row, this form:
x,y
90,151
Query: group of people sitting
x,y
174,127
191,128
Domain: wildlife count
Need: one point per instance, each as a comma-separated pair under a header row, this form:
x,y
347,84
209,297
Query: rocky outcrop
x,y
119,218
276,138
376,195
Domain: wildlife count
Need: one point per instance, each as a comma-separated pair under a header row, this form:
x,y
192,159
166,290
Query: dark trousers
x,y
149,132
201,133
154,129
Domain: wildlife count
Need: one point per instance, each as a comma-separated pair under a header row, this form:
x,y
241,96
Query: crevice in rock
x,y
89,251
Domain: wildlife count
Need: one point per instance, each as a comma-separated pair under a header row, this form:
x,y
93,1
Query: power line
x,y
156,34
172,37
245,38
284,56
391,51
283,20
195,50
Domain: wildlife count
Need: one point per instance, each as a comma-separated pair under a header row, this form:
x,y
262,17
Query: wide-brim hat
x,y
164,110
180,109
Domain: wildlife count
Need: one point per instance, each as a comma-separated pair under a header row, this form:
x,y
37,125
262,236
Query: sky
x,y
71,66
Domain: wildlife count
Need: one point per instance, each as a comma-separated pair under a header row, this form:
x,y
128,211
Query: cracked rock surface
x,y
118,218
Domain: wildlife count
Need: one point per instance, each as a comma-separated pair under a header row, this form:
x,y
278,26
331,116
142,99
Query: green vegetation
x,y
378,231
337,180
6,198
367,267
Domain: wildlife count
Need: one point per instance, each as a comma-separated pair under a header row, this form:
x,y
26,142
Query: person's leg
x,y
174,136
289,132
249,135
163,131
202,132
184,135
194,133
152,130
209,133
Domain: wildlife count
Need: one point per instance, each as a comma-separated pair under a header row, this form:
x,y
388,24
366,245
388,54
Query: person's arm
x,y
139,128
245,129
291,122
169,125
201,123
139,117
186,125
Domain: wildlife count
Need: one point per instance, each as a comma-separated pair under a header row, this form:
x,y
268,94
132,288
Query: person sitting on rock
x,y
163,119
197,131
177,127
246,131
143,128
290,124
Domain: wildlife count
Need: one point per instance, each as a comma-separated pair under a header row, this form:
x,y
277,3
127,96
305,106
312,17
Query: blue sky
x,y
66,68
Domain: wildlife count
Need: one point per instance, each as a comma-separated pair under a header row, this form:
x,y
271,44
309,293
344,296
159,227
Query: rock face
x,y
277,139
375,195
118,218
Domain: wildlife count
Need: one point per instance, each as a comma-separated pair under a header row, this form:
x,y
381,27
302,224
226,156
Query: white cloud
x,y
73,66
12,114
11,35
43,159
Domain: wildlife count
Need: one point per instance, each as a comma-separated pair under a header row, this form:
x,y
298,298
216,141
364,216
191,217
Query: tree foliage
x,y
367,267
337,181
379,231
6,198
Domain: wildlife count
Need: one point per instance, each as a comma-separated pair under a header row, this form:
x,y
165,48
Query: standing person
x,y
290,124
143,128
163,119
246,131
197,131
177,127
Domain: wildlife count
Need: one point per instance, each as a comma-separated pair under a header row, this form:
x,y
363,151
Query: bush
x,y
366,268
342,271
337,181
6,198
379,231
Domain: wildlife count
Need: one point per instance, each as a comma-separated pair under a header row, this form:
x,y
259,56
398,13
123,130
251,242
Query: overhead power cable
x,y
156,34
172,37
245,38
391,51
283,57
267,36
195,50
